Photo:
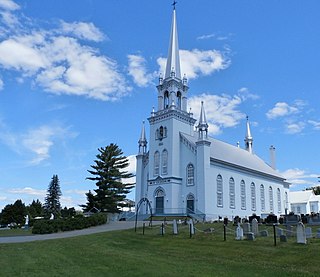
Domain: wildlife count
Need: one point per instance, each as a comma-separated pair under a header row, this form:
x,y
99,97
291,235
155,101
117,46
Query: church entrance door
x,y
190,206
159,204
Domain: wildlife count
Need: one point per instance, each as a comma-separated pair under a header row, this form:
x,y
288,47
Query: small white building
x,y
304,202
186,172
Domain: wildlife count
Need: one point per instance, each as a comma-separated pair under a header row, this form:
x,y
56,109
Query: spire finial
x,y
174,4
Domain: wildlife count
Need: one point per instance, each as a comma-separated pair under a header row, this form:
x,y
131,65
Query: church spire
x,y
203,125
143,141
248,139
173,59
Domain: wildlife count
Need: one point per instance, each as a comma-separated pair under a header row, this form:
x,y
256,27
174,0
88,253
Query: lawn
x,y
126,253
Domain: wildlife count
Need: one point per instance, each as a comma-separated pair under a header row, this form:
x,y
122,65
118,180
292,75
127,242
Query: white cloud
x,y
195,63
9,5
59,63
315,124
281,109
28,191
222,111
206,36
83,30
1,84
298,177
137,70
294,128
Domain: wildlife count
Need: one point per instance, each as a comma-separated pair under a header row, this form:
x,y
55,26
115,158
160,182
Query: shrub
x,y
45,226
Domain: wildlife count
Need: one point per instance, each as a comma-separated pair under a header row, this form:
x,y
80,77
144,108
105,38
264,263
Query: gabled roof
x,y
225,153
301,196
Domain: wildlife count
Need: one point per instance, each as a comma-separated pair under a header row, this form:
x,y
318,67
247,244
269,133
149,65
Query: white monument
x,y
239,232
301,233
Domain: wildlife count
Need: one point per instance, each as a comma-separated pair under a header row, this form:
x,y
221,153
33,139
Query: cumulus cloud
x,y
83,30
315,124
281,109
28,191
9,5
298,177
56,60
197,63
138,71
294,128
222,111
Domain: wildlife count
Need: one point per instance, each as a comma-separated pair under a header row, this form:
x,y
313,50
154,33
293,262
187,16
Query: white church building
x,y
182,171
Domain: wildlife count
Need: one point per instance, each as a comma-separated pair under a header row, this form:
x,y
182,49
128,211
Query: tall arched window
x,y
156,163
190,175
271,199
262,198
253,196
232,200
279,200
166,100
159,203
179,100
219,191
243,195
164,162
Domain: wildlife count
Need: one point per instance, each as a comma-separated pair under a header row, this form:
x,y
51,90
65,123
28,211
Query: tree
x,y
91,202
52,201
109,174
14,213
35,209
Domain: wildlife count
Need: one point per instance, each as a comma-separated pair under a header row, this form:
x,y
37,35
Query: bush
x,y
45,226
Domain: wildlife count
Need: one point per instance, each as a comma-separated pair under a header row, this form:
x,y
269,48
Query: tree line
x,y
109,174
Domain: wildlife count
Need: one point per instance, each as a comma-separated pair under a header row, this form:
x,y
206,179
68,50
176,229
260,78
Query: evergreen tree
x,y
14,213
35,209
52,201
91,202
109,174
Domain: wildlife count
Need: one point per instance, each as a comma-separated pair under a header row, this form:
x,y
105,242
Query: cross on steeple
x,y
174,4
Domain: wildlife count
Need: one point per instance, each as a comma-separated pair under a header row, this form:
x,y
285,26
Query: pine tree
x,y
91,202
109,174
52,201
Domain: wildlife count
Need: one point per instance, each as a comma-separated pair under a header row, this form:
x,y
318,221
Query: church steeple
x,y
143,141
173,59
248,139
203,125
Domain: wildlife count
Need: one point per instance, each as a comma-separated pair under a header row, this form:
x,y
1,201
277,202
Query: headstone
x,y
264,233
301,233
318,234
246,228
26,220
250,236
283,238
289,232
279,232
175,227
255,227
308,232
239,233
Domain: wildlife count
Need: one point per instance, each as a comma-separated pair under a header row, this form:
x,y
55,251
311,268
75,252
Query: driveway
x,y
111,226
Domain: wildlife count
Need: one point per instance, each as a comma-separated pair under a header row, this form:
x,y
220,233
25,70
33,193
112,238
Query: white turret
x,y
248,139
203,125
143,141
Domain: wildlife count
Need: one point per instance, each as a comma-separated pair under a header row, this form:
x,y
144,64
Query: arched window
x,y
253,196
279,200
232,200
166,100
159,195
219,191
190,175
271,199
156,163
243,195
179,100
164,162
262,198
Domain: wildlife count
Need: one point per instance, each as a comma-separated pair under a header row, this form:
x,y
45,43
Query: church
x,y
182,171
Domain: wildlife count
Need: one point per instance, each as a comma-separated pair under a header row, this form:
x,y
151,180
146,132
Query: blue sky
x,y
78,75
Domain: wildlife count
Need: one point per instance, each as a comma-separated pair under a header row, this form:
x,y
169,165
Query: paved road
x,y
112,226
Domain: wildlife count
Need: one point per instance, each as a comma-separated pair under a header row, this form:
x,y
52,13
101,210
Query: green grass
x,y
126,253
15,232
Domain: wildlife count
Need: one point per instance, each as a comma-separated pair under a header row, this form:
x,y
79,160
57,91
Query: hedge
x,y
45,226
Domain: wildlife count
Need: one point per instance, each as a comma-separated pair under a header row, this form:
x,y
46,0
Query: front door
x,y
190,205
159,204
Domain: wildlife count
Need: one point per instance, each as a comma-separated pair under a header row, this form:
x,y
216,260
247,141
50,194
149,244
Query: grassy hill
x,y
126,253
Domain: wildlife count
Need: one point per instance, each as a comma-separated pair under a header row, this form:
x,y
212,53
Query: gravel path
x,y
112,226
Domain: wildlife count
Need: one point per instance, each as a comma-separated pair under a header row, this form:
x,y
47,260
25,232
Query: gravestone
x,y
264,233
283,238
308,232
318,234
279,232
191,227
239,233
246,228
255,227
250,236
301,233
175,227
289,231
